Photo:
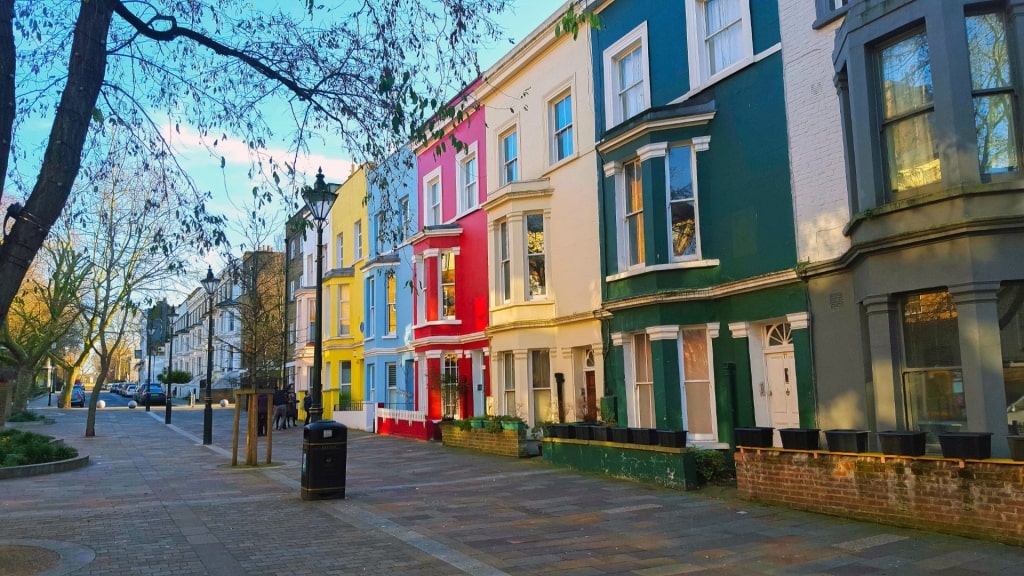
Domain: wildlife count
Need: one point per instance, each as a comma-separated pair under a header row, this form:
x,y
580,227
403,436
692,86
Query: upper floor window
x,y
432,201
628,89
561,127
343,310
682,203
447,270
504,271
538,285
992,89
339,250
358,239
392,313
468,196
371,306
509,156
382,224
720,38
403,215
634,213
911,150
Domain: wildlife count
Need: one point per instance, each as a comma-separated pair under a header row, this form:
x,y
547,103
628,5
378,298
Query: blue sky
x,y
233,181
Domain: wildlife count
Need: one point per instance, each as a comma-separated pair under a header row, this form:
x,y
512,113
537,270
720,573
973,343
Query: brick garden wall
x,y
504,443
982,499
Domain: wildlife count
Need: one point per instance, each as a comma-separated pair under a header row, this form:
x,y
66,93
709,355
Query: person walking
x,y
280,409
307,404
293,408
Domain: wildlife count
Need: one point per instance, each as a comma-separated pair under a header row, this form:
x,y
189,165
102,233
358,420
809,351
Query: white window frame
x,y
421,297
327,376
431,179
391,384
403,214
503,161
344,311
467,199
527,255
700,71
554,131
503,257
357,233
712,402
371,306
508,377
391,295
343,384
625,242
635,38
668,204
339,250
440,284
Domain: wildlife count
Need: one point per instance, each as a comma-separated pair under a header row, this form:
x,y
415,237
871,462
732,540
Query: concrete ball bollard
x,y
223,403
132,405
101,404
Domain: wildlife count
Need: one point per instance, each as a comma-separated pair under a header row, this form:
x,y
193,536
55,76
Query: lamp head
x,y
319,198
210,282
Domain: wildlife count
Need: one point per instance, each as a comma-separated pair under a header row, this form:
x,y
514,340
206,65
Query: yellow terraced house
x,y
345,250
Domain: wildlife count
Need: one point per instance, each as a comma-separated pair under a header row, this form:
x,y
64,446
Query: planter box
x,y
512,425
966,445
559,430
672,438
601,433
1016,447
643,436
475,423
844,440
760,437
800,438
902,443
582,432
619,434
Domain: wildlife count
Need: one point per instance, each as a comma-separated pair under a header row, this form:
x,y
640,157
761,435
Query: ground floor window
x,y
450,385
1011,336
508,377
697,384
345,383
391,374
643,380
540,385
932,379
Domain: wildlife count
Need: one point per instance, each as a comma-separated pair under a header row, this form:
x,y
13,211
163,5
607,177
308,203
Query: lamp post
x,y
319,200
210,285
171,315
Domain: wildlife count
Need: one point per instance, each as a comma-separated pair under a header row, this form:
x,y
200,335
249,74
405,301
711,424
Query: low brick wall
x,y
504,443
975,498
671,467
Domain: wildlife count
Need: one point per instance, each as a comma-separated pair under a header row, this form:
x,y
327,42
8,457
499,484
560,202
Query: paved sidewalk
x,y
154,501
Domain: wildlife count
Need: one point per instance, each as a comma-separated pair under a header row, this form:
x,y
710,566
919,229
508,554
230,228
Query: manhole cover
x,y
27,560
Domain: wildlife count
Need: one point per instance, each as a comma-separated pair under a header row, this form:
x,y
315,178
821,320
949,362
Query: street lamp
x,y
319,200
210,285
171,315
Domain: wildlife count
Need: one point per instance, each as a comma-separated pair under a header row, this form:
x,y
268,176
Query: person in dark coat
x,y
261,415
307,404
293,408
280,409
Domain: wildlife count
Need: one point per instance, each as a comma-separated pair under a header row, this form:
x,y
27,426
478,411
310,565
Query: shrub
x,y
18,448
26,416
713,466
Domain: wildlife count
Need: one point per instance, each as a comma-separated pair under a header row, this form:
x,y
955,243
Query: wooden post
x,y
234,437
252,441
270,409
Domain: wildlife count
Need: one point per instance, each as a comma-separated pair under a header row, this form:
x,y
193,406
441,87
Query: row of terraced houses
x,y
703,214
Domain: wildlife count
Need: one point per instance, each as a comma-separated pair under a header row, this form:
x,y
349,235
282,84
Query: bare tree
x,y
363,74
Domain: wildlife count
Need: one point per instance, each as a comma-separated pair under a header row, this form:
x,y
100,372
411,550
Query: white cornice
x,y
655,150
652,126
663,332
798,320
739,329
722,290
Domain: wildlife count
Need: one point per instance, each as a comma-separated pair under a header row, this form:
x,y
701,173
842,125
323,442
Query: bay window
x,y
993,93
535,255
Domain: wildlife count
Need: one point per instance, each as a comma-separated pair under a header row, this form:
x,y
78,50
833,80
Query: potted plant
x,y
846,440
966,445
601,433
755,437
643,436
477,422
511,422
800,438
902,442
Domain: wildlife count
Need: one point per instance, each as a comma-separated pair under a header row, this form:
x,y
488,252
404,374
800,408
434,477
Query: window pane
x,y
645,404
634,214
906,76
1011,334
997,146
684,217
912,153
723,29
935,400
986,41
631,94
535,254
448,284
931,338
510,150
695,354
698,408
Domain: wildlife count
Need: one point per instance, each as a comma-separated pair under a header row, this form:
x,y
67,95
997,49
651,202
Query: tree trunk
x,y
7,93
90,418
22,387
63,156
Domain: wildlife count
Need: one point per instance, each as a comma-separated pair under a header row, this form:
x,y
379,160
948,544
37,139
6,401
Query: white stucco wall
x,y
818,169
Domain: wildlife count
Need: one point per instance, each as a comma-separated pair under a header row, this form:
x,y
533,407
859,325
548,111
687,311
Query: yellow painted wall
x,y
347,210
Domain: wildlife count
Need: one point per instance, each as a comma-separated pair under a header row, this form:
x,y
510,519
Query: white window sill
x,y
451,322
389,337
463,213
662,267
535,302
742,64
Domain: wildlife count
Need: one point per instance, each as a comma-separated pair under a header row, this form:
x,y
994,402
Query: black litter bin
x,y
324,451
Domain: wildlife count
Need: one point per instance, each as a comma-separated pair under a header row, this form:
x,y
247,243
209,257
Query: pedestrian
x,y
280,409
261,415
293,409
307,404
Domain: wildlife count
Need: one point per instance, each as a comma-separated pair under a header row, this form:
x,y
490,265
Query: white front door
x,y
479,400
780,374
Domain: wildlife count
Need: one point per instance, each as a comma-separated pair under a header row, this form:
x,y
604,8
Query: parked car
x,y
129,390
156,395
78,397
